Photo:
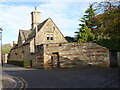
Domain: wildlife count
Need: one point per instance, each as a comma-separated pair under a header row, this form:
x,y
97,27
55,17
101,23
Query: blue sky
x,y
16,15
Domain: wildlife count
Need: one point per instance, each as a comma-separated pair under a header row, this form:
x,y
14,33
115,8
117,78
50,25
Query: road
x,y
83,77
10,81
13,82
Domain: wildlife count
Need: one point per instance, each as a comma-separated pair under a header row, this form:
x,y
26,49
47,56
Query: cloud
x,y
12,19
65,15
52,0
17,16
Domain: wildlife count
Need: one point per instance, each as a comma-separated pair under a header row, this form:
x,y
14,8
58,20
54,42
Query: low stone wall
x,y
38,61
20,53
76,54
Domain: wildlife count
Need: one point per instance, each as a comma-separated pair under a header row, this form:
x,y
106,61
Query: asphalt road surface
x,y
83,77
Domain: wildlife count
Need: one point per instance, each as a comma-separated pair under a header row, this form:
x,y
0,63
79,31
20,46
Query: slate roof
x,y
24,34
28,35
33,32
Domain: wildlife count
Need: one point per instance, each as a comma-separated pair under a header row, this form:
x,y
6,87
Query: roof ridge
x,y
32,34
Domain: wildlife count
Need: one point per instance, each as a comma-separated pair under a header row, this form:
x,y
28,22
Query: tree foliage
x,y
108,22
102,28
85,33
108,29
6,48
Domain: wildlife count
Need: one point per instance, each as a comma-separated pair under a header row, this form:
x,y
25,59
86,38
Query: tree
x,y
108,22
108,29
6,48
85,33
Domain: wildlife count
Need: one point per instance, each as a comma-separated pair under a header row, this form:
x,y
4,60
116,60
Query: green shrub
x,y
27,63
112,44
23,63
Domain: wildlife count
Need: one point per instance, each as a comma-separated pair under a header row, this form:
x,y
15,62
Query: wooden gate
x,y
55,60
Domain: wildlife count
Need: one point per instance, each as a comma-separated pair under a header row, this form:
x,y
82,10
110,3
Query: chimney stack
x,y
35,18
14,43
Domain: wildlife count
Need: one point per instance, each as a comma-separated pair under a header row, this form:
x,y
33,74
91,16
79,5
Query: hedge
x,y
111,44
23,63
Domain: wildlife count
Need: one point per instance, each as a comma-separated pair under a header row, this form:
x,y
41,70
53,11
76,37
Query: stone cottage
x,y
46,47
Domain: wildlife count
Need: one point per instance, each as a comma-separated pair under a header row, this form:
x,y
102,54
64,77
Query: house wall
x,y
20,53
76,54
51,29
4,58
32,46
23,53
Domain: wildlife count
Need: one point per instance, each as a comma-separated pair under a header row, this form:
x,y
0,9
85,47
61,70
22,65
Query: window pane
x,y
51,35
51,38
47,38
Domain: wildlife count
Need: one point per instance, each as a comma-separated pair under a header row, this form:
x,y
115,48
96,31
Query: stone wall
x,y
49,29
67,54
38,60
20,53
76,54
23,53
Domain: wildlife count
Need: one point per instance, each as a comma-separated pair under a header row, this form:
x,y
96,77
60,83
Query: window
x,y
38,49
60,44
23,52
49,37
15,53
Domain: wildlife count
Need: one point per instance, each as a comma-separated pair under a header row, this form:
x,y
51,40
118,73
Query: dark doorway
x,y
31,63
113,59
55,60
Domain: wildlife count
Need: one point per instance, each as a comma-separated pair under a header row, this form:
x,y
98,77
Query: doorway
x,y
55,60
113,59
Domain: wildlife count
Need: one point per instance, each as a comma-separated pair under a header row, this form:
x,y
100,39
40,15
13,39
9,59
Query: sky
x,y
16,15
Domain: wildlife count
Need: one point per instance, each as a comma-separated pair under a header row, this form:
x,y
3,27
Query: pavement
x,y
9,81
3,78
83,77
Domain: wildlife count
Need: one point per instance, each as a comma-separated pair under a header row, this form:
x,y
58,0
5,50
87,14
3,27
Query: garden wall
x,y
75,55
